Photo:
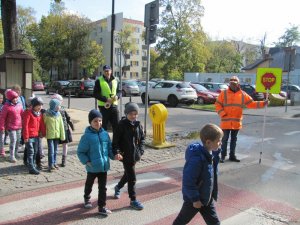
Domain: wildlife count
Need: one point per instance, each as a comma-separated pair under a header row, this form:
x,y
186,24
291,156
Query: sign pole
x,y
263,128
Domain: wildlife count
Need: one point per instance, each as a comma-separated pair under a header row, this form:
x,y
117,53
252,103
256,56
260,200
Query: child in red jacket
x,y
33,127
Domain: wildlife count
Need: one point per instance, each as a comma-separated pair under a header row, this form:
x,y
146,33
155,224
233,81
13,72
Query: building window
x,y
130,74
137,30
137,52
101,29
136,74
100,40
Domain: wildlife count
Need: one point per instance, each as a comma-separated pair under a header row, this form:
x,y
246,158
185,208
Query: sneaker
x,y
117,192
136,205
234,159
104,211
13,160
50,169
222,160
35,172
56,166
87,204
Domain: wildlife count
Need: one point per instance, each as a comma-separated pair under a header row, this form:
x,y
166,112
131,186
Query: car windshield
x,y
64,83
199,87
183,85
89,82
38,82
223,86
130,83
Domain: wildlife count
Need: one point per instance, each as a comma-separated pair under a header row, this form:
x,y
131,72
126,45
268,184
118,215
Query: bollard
x,y
158,115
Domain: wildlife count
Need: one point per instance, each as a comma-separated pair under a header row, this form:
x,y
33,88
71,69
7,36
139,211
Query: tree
x,y
1,39
9,24
93,57
24,19
225,58
123,38
182,42
156,65
290,37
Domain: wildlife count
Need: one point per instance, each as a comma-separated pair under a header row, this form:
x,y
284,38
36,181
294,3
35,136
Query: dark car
x,y
212,86
250,90
290,88
56,86
37,86
79,88
204,96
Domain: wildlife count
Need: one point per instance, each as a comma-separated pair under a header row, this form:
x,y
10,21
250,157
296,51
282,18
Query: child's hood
x,y
195,150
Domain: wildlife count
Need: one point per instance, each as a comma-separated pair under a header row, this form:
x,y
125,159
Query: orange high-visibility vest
x,y
229,106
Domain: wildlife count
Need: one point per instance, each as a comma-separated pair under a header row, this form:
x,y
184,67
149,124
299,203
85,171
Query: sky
x,y
246,20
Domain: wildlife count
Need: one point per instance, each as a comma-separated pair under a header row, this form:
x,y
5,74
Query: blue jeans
x,y
32,148
52,151
188,212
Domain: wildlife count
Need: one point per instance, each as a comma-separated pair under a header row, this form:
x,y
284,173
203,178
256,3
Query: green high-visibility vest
x,y
105,90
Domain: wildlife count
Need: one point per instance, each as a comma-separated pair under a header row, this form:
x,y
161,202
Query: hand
x,y
89,164
110,100
197,205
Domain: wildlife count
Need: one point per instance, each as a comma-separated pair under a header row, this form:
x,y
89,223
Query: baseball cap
x,y
106,67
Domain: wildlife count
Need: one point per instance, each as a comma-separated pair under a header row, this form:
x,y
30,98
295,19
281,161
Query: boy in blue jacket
x,y
94,151
199,180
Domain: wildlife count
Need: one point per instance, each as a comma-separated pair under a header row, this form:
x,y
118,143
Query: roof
x,y
16,54
256,63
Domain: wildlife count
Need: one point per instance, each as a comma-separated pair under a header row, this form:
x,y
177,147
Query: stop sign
x,y
268,80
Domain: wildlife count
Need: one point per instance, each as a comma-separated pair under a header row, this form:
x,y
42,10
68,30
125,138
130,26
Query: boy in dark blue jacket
x,y
199,180
94,151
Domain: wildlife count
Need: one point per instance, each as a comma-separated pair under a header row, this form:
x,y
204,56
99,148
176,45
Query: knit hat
x,y
57,96
36,101
131,106
53,104
94,114
10,95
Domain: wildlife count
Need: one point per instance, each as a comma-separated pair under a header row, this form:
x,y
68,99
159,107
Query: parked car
x,y
290,88
79,88
37,86
172,92
130,87
56,86
204,96
142,85
250,90
212,86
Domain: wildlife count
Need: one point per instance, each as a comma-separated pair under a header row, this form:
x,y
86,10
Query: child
x,y
11,120
2,151
128,144
199,180
67,125
33,126
94,151
54,131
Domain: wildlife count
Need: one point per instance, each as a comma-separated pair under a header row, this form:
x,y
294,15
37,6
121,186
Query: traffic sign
x,y
269,79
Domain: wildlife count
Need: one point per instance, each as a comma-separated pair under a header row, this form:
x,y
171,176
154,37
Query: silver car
x,y
130,87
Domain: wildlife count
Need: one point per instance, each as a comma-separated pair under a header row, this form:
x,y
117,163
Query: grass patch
x,y
210,107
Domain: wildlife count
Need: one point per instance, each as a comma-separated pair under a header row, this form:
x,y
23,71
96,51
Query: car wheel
x,y
123,93
200,101
173,101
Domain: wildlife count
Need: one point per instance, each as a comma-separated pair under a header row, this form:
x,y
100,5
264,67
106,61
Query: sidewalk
x,y
14,178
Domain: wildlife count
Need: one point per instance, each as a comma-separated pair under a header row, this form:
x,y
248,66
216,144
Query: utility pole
x,y
112,35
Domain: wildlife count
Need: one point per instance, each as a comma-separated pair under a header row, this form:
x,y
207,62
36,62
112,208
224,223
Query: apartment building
x,y
135,64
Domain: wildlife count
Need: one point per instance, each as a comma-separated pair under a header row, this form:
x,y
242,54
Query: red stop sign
x,y
268,80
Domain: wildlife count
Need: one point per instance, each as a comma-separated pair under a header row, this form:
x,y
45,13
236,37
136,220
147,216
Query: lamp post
x,y
112,34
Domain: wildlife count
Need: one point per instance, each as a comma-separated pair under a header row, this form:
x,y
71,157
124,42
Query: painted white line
x,y
60,199
292,132
255,216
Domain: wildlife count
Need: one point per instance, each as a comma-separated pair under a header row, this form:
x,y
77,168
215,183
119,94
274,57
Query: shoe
x,y
117,192
56,166
13,160
50,169
222,160
234,159
136,205
87,204
39,166
35,172
104,211
63,161
2,152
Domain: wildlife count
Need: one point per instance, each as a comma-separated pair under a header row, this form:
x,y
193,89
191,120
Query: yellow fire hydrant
x,y
158,115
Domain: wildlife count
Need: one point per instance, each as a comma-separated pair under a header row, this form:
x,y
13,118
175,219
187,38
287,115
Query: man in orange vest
x,y
229,106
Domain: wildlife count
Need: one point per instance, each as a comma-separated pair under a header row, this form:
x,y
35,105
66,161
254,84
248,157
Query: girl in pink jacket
x,y
11,121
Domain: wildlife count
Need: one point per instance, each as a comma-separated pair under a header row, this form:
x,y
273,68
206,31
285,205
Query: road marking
x,y
292,132
67,197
